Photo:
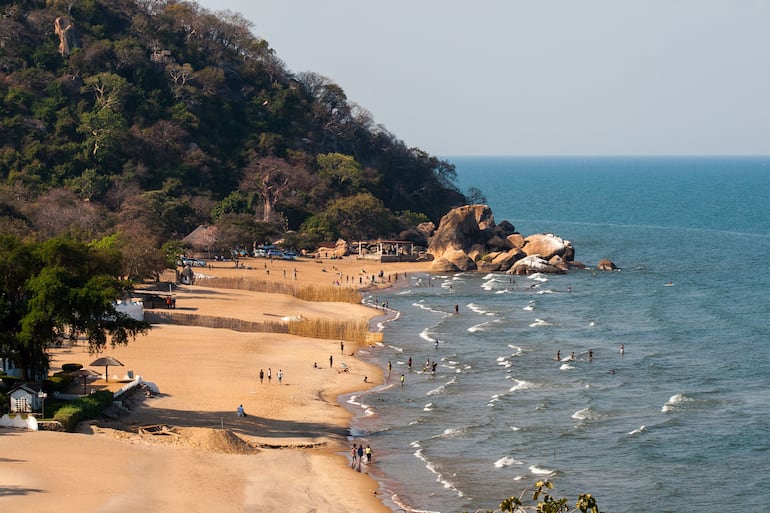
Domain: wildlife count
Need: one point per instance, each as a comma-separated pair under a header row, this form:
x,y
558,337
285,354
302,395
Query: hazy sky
x,y
539,77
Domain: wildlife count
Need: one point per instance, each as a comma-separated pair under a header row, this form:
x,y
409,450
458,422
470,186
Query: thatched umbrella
x,y
106,362
85,374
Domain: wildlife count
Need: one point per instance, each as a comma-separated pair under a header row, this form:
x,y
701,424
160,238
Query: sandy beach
x,y
185,449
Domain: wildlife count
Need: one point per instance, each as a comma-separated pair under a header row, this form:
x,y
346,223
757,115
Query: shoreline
x,y
300,429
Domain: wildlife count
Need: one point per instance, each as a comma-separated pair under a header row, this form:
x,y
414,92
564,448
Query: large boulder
x,y
506,259
461,229
534,264
69,39
548,245
606,264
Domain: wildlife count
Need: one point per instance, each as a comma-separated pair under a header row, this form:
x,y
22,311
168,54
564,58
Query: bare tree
x,y
270,177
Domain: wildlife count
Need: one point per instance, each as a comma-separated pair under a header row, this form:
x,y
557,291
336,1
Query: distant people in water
x,y
622,349
558,356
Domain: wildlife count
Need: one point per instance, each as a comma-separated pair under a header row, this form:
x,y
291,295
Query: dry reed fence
x,y
323,293
352,331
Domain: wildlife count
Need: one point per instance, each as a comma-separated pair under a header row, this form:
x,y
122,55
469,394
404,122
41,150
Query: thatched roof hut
x,y
203,238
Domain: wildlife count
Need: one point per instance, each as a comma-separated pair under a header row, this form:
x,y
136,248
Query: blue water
x,y
679,422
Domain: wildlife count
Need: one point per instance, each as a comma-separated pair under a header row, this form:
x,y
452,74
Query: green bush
x,y
85,408
58,382
71,367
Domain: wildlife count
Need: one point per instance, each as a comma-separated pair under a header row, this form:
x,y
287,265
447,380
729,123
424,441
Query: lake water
x,y
678,422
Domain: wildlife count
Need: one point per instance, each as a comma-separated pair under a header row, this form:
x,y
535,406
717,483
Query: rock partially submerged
x,y
468,239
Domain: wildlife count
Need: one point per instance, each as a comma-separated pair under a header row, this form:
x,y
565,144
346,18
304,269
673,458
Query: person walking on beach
x,y
261,375
354,455
390,366
368,452
269,375
331,361
280,375
240,412
360,456
342,347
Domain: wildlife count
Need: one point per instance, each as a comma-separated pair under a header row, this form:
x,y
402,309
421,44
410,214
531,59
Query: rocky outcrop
x,y
470,230
534,264
468,239
606,265
69,39
547,246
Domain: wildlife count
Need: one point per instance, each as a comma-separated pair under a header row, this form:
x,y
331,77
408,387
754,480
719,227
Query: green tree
x,y
55,287
342,172
361,216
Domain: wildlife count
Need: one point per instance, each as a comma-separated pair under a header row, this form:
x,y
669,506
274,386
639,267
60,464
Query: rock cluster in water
x,y
469,239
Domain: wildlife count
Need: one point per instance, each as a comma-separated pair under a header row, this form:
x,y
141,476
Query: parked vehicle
x,y
289,255
275,253
259,252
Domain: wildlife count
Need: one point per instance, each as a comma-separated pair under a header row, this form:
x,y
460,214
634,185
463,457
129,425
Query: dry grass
x,y
353,331
321,293
207,321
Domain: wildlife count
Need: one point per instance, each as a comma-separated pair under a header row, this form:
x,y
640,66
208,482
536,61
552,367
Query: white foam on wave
x,y
539,322
521,385
368,410
436,390
638,430
453,432
473,307
423,306
516,350
439,477
585,414
546,291
425,335
506,461
480,327
674,402
538,277
428,407
528,308
504,291
540,471
566,366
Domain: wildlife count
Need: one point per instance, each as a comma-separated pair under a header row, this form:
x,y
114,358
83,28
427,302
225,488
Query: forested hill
x,y
148,118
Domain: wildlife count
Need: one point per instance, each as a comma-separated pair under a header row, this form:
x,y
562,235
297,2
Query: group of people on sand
x,y
357,453
269,375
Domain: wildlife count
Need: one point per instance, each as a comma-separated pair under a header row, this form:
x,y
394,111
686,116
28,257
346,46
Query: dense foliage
x,y
148,118
57,289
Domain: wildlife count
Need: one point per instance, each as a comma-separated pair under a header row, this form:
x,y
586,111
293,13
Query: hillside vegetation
x,y
140,120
